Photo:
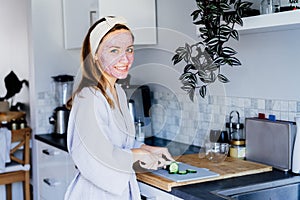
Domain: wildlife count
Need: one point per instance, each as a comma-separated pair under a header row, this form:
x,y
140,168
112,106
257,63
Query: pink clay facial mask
x,y
116,53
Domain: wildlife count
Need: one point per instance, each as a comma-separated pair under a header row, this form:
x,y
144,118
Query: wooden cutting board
x,y
231,167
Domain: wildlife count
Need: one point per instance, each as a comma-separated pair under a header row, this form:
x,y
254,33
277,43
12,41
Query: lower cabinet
x,y
151,193
56,170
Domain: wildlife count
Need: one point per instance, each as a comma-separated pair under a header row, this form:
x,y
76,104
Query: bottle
x,y
140,134
266,7
14,124
296,150
22,123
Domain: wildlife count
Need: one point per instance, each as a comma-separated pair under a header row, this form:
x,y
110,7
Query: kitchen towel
x,y
5,142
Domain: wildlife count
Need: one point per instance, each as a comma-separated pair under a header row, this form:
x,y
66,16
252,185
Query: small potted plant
x,y
203,60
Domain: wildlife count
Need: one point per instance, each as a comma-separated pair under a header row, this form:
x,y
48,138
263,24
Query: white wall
x,y
49,57
270,66
14,45
269,60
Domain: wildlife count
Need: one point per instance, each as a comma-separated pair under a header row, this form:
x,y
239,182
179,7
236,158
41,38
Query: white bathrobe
x,y
99,142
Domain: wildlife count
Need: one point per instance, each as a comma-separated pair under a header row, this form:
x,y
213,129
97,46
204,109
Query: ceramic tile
x,y
292,106
298,106
254,103
261,104
284,106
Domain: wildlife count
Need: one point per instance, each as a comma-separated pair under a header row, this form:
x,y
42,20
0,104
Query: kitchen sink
x,y
275,190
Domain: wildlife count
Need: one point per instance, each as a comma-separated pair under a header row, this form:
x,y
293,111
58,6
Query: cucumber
x,y
191,171
173,168
182,172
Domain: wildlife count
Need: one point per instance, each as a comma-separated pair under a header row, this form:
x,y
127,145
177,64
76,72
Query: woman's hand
x,y
150,157
146,159
160,151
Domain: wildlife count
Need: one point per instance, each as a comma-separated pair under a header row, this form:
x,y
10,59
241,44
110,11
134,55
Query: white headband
x,y
102,28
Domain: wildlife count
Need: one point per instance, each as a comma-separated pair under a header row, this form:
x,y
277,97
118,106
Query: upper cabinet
x,y
78,15
140,14
270,22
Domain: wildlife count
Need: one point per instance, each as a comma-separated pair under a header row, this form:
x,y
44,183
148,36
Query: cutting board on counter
x,y
231,167
201,173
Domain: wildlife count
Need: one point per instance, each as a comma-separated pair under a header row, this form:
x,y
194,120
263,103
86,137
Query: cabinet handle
x,y
143,197
51,182
50,153
92,13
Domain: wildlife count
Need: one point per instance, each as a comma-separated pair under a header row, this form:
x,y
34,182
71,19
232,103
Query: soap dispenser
x,y
296,150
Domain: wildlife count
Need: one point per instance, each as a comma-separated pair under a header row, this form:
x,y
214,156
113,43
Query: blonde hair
x,y
91,74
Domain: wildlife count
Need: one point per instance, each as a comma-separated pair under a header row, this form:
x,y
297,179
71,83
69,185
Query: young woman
x,y
101,133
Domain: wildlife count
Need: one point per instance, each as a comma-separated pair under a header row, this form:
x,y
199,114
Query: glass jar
x,y
237,150
140,134
237,144
269,6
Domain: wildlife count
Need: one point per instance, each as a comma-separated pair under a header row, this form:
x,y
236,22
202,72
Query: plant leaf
x,y
201,73
185,75
222,78
213,41
175,59
228,51
188,67
179,50
195,14
234,34
224,6
219,60
202,91
233,61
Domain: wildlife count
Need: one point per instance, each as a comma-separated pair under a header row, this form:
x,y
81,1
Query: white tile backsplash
x,y
196,120
177,118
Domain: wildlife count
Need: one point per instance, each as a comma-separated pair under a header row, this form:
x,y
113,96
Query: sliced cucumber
x,y
173,168
182,172
191,171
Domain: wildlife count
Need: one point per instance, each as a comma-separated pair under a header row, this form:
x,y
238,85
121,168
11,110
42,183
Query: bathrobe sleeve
x,y
107,166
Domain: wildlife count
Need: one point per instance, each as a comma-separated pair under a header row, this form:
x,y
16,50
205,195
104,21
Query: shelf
x,y
270,22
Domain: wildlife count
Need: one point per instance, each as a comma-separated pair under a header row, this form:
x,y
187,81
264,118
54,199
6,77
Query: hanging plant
x,y
216,20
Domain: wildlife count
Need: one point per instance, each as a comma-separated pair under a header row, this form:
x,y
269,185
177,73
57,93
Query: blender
x,y
63,86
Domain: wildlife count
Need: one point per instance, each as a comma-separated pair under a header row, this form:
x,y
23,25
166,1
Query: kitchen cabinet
x,y
149,192
55,169
140,14
78,15
270,22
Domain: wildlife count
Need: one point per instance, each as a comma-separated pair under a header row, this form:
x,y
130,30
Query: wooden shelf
x,y
270,22
8,116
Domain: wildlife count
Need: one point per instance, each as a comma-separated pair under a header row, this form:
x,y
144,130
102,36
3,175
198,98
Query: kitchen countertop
x,y
57,141
199,191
